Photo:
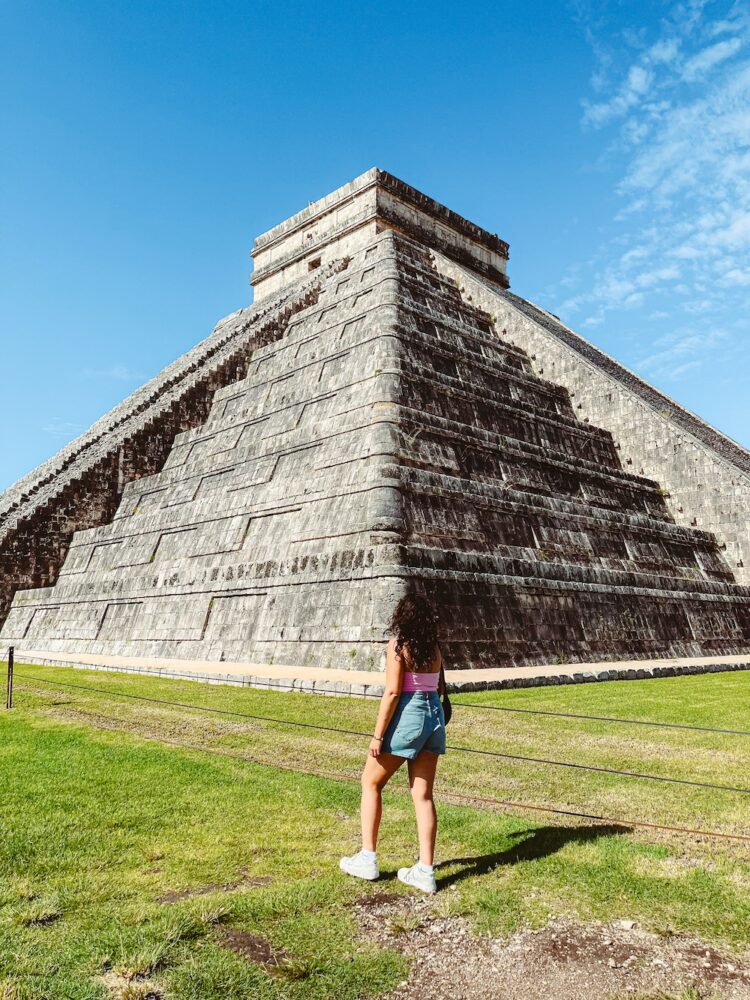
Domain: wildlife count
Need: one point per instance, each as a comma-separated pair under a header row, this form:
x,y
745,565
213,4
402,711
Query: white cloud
x,y
119,373
710,57
57,428
686,252
634,88
680,370
721,28
736,234
677,123
681,353
700,147
647,279
737,276
666,50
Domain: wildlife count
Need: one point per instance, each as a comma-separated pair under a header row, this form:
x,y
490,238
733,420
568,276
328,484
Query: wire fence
x,y
33,679
461,798
353,732
265,683
604,718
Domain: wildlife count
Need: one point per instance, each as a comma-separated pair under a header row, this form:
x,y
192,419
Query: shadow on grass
x,y
531,845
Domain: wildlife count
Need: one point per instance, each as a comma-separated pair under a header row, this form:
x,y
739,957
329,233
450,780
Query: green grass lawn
x,y
105,821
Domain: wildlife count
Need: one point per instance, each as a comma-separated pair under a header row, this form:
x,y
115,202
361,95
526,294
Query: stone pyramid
x,y
387,416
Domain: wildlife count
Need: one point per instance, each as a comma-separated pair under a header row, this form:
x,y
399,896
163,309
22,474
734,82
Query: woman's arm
x,y
394,679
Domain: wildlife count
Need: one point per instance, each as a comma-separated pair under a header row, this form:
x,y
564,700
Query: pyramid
x,y
386,417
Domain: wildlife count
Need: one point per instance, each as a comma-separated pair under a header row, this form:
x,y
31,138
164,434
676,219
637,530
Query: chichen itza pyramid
x,y
386,415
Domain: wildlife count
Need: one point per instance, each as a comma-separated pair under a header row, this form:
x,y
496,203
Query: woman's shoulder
x,y
393,650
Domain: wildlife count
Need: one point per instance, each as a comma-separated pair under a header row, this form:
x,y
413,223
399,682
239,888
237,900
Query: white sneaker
x,y
360,866
418,878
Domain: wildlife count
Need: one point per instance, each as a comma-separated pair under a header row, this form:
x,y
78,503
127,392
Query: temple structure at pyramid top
x,y
350,217
386,417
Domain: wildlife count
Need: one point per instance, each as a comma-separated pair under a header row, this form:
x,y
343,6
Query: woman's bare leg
x,y
378,771
421,779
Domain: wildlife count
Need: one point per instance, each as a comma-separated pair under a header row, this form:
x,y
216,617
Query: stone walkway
x,y
318,680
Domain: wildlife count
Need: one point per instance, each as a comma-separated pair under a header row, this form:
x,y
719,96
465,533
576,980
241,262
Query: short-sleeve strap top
x,y
418,680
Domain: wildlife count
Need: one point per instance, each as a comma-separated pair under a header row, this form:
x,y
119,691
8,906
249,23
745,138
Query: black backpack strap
x,y
447,707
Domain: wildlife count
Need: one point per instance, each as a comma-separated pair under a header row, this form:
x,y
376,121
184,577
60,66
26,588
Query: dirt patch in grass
x,y
40,912
43,921
252,947
178,895
378,899
566,960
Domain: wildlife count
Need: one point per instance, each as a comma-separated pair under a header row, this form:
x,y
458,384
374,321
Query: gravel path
x,y
564,961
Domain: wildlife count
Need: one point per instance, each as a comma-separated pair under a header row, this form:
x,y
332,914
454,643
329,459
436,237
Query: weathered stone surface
x,y
350,217
81,486
704,475
388,429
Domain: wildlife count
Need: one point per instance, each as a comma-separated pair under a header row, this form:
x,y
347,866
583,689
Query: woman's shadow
x,y
531,845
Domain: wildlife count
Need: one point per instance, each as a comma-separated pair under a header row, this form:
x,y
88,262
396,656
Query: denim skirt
x,y
418,724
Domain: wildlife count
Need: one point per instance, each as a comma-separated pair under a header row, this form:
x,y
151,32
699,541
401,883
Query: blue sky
x,y
146,144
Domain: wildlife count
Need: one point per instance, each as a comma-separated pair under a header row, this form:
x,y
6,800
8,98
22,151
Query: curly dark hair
x,y
415,624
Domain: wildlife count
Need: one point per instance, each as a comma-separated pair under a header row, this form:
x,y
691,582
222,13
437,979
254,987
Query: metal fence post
x,y
9,688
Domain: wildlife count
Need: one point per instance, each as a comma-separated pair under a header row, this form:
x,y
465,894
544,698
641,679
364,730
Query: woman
x,y
410,726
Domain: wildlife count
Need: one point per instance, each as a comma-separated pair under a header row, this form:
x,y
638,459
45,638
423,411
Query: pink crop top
x,y
415,681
